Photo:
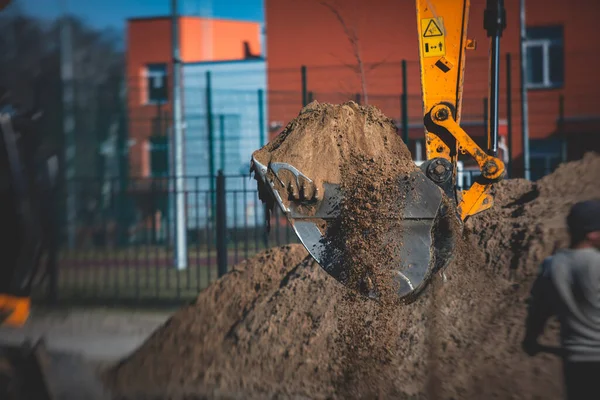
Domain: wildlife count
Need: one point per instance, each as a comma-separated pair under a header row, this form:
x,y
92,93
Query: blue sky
x,y
113,13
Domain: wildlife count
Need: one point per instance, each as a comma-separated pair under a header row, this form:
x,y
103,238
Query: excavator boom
x,y
443,45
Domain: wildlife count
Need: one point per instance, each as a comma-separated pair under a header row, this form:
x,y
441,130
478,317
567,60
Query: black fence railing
x,y
124,250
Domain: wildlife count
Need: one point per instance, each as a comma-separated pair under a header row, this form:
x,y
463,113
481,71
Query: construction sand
x,y
278,326
325,141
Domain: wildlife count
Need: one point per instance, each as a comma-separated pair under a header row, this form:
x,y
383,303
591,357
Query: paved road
x,y
81,342
98,335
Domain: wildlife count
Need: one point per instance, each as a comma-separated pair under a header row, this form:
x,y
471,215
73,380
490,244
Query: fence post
x,y
485,115
53,244
125,218
509,131
561,127
221,225
222,140
404,105
211,142
524,94
178,139
267,225
304,86
311,97
68,125
261,117
357,98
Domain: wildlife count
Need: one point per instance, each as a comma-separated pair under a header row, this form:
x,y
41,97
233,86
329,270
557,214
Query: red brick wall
x,y
306,33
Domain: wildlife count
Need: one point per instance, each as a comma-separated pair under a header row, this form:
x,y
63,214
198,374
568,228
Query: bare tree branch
x,y
378,64
346,90
353,67
354,42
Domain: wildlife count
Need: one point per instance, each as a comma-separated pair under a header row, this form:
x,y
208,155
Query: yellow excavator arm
x,y
443,45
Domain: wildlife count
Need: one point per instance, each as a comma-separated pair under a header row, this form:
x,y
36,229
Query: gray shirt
x,y
569,287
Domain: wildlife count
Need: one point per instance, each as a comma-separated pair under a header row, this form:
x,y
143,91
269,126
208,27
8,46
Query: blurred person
x,y
568,287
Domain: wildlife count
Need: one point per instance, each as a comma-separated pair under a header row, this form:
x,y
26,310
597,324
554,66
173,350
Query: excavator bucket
x,y
425,230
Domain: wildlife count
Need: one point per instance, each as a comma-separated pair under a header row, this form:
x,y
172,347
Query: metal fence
x,y
124,253
123,250
242,119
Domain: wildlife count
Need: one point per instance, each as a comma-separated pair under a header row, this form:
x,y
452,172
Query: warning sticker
x,y
433,38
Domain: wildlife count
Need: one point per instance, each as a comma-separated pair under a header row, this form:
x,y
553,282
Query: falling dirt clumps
x,y
278,326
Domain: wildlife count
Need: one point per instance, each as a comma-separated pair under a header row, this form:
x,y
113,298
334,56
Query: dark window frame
x,y
156,95
544,39
159,156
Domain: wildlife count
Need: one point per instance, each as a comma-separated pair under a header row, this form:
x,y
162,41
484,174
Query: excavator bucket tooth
x,y
425,230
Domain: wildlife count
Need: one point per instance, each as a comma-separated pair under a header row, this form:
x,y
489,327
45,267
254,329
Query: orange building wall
x,y
227,36
149,41
306,33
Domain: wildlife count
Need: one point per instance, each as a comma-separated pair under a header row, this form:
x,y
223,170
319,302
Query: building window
x,y
545,155
545,57
159,156
156,81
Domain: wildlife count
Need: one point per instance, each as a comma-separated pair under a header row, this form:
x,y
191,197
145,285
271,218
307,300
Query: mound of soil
x,y
327,140
278,326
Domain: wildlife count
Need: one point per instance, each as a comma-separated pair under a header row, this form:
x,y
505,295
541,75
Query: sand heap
x,y
326,141
278,326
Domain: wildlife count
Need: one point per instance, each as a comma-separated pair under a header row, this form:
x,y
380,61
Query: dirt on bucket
x,y
278,326
326,141
359,149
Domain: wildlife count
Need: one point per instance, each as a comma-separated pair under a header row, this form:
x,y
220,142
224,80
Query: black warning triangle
x,y
432,30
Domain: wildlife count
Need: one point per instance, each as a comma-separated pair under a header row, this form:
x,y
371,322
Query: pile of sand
x,y
279,326
326,141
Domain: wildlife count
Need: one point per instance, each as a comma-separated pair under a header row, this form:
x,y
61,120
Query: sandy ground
x,y
278,326
83,341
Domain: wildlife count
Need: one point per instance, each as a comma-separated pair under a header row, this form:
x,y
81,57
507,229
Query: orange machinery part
x,y
14,310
